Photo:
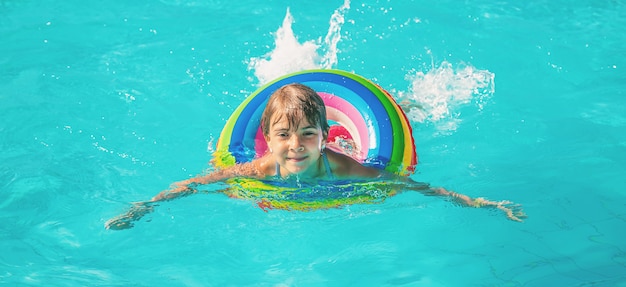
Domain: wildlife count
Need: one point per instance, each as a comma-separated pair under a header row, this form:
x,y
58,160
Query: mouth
x,y
297,159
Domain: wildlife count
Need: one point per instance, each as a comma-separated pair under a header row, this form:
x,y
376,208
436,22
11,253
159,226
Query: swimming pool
x,y
103,104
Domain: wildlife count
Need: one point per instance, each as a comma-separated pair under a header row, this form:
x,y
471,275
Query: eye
x,y
309,133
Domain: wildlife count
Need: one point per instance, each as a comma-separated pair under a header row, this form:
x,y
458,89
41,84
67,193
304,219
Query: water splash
x,y
435,95
289,55
334,35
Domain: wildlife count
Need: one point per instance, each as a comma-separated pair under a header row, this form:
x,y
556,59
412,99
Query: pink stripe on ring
x,y
341,111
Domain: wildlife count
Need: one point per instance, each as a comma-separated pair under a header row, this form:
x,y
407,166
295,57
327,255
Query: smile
x,y
297,159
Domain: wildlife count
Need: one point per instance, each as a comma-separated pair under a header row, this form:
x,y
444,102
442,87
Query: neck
x,y
314,171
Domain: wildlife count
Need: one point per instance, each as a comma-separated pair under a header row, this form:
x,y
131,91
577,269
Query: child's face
x,y
296,150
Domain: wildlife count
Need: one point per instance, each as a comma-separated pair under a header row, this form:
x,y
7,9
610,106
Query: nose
x,y
294,143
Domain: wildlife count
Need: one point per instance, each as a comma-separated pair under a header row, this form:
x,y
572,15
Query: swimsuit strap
x,y
329,171
277,176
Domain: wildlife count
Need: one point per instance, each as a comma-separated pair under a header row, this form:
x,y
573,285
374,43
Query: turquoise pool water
x,y
103,104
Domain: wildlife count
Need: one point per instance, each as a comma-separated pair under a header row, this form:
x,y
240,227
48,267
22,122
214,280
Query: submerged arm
x,y
177,190
512,212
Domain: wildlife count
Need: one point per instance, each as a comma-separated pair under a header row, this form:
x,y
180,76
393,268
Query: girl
x,y
295,128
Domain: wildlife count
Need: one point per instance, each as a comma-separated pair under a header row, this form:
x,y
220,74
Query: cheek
x,y
275,145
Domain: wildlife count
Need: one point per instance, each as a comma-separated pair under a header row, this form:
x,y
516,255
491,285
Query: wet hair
x,y
296,102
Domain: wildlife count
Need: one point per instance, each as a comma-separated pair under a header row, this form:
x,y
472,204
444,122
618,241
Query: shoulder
x,y
257,168
263,166
345,166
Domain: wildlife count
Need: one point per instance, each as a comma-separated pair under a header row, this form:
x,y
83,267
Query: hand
x,y
513,211
125,221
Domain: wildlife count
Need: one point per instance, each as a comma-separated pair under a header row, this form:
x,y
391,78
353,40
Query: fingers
x,y
520,215
508,212
117,225
515,214
125,221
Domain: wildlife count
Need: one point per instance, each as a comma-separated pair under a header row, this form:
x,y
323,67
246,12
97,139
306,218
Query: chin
x,y
296,170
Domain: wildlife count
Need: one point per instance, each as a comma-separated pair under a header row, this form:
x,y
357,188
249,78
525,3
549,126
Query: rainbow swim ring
x,y
274,195
357,109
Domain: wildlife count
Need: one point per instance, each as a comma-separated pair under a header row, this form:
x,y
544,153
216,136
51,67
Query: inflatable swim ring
x,y
360,113
366,123
322,195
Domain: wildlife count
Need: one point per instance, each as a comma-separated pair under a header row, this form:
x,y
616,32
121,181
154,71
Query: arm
x,y
183,188
188,186
177,190
513,212
346,166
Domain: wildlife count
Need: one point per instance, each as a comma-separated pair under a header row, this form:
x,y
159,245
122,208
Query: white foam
x,y
289,55
435,95
333,36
